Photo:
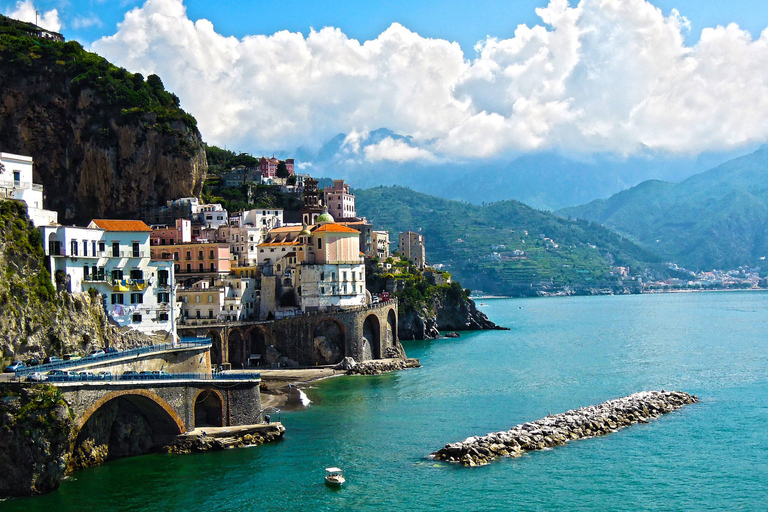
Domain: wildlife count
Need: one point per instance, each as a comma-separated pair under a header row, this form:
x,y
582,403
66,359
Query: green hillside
x,y
479,243
716,219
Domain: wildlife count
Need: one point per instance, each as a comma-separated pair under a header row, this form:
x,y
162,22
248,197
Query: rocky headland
x,y
558,429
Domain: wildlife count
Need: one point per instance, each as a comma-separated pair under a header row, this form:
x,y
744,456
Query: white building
x,y
16,176
247,230
113,257
210,215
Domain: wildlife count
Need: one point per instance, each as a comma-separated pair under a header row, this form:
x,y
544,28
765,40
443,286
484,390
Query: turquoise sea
x,y
560,353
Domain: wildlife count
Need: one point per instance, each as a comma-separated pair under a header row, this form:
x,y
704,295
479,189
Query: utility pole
x,y
37,13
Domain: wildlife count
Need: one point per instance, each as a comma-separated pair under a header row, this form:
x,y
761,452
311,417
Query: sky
x,y
465,80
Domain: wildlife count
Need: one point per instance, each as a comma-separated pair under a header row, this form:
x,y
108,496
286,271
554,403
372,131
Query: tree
x,y
282,170
291,180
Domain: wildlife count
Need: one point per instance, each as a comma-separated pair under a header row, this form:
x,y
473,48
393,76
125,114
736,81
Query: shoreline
x,y
552,295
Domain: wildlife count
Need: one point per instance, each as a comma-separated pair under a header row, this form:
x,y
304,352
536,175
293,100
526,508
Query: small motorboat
x,y
333,477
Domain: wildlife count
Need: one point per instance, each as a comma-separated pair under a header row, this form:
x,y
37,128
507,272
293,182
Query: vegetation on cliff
x,y
508,247
107,140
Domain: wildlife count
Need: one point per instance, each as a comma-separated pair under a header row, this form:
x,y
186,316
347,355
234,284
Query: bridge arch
x,y
153,406
209,408
216,347
236,349
259,339
371,337
329,340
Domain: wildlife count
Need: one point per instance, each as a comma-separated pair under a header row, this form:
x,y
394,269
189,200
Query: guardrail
x,y
42,368
133,376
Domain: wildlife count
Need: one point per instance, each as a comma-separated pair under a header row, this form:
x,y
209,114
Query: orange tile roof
x,y
278,244
334,228
121,225
285,229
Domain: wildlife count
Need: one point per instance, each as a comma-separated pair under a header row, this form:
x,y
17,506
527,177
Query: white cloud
x,y
605,75
25,11
396,151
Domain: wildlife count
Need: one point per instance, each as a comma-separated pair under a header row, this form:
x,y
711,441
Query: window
x,y
102,247
85,248
117,274
73,248
213,267
211,253
16,176
115,249
137,274
162,278
85,272
201,267
189,255
189,267
137,298
136,318
117,298
93,246
197,299
199,255
162,317
163,298
319,243
135,247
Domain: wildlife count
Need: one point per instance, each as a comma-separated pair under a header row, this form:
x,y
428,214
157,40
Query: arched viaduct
x,y
321,338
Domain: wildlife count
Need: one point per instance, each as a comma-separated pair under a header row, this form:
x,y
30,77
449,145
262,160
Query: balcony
x,y
128,254
21,185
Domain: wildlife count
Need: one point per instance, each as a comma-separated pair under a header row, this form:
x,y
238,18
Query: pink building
x,y
192,258
340,202
165,235
268,166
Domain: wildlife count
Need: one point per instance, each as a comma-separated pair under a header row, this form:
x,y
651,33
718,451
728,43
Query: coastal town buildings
x,y
313,203
112,257
195,259
268,166
411,246
16,182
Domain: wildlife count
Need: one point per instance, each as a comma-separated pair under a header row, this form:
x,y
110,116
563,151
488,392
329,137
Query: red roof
x,y
121,225
334,228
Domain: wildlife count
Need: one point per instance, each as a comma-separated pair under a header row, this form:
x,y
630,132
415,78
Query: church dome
x,y
325,217
305,231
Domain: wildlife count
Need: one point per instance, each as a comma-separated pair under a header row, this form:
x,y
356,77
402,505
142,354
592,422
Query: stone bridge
x,y
169,407
321,338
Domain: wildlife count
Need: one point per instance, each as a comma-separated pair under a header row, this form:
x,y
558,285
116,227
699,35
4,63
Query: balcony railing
x,y
21,185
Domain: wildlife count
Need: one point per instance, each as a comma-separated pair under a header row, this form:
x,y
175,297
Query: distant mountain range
x,y
544,180
507,247
716,219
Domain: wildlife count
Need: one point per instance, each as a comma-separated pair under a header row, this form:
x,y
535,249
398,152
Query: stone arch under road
x,y
371,338
329,341
391,328
209,408
236,349
259,339
216,348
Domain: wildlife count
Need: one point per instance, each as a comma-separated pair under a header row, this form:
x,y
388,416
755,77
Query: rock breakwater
x,y
558,429
232,438
382,366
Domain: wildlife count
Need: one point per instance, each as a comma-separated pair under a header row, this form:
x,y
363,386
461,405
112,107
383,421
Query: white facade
x,y
16,183
210,215
332,285
137,293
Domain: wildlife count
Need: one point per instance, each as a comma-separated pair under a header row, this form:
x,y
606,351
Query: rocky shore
x,y
216,439
558,429
382,366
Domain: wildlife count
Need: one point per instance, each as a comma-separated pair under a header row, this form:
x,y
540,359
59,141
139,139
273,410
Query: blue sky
x,y
454,20
615,76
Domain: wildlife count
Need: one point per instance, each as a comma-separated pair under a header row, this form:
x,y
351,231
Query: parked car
x,y
33,362
58,375
161,373
52,360
15,366
104,376
129,375
86,375
37,377
96,353
110,350
71,357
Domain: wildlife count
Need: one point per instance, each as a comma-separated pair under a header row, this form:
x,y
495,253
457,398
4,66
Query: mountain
x,y
507,247
545,180
716,219
105,141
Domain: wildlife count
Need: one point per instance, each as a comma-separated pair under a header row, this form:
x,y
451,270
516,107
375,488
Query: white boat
x,y
333,477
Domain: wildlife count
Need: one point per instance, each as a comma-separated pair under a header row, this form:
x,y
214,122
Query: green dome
x,y
325,217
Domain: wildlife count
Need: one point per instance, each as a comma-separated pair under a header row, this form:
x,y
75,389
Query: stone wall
x,y
182,360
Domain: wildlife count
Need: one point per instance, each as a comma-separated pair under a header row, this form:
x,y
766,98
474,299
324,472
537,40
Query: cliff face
x,y
105,141
36,436
443,312
94,167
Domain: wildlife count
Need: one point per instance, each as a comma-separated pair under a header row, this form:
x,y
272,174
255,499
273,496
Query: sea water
x,y
560,354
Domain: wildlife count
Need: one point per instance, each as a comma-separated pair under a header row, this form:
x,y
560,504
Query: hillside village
x,y
187,263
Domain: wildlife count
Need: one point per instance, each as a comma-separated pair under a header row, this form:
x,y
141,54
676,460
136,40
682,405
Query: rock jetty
x,y
558,429
225,438
379,366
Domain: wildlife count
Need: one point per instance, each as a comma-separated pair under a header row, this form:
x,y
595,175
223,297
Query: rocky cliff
x,y
35,320
105,141
443,311
36,437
